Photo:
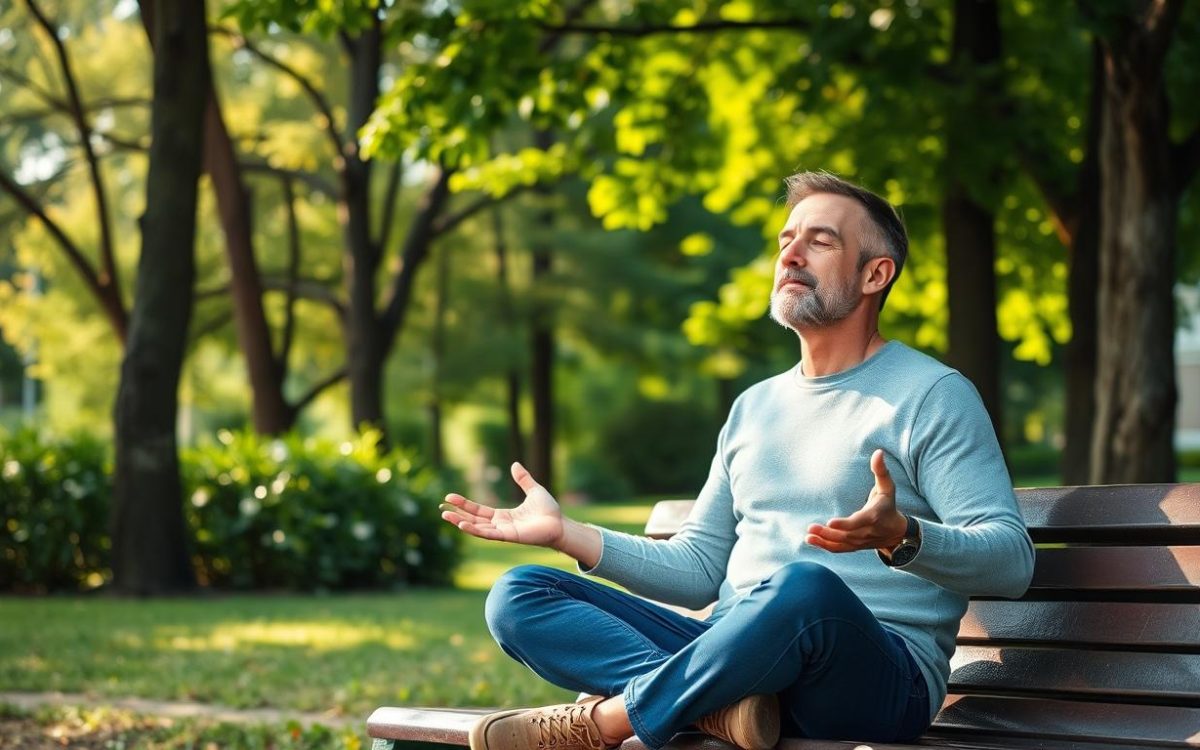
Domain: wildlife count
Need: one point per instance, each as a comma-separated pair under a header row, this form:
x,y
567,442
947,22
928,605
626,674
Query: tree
x,y
1143,176
968,222
101,279
149,554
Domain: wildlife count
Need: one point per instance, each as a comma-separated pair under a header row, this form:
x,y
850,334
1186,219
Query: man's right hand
x,y
537,521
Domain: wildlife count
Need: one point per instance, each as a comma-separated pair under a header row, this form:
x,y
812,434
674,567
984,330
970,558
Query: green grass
x,y
342,654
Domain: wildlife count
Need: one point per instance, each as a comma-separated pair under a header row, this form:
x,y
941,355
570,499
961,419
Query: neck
x,y
831,349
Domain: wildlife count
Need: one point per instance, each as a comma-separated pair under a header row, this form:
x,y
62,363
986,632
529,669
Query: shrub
x,y
312,514
291,513
54,500
661,446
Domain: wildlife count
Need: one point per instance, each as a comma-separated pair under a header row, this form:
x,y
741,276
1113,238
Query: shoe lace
x,y
565,726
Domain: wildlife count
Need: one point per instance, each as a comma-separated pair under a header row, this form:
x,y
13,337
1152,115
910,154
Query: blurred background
x,y
432,238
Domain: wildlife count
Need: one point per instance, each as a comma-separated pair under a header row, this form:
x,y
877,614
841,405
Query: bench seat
x,y
1103,652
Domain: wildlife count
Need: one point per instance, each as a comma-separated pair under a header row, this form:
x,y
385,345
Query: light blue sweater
x,y
796,450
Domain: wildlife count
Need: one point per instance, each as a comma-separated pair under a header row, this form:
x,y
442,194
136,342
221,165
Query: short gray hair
x,y
883,236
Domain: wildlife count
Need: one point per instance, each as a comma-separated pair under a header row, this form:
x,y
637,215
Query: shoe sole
x,y
478,736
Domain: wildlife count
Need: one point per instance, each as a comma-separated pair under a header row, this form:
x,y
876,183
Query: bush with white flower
x,y
282,513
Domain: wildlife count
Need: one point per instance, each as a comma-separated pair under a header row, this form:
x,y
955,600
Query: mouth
x,y
793,282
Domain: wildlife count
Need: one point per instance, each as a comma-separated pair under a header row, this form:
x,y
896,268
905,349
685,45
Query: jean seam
x,y
641,638
635,716
799,635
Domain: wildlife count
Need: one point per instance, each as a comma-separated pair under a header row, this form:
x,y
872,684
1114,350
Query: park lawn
x,y
340,654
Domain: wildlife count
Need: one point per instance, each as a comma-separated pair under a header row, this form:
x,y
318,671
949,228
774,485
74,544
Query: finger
x,y
472,508
454,515
856,520
523,478
858,539
883,479
483,531
828,534
830,546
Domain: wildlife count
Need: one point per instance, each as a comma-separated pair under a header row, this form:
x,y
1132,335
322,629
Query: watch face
x,y
904,554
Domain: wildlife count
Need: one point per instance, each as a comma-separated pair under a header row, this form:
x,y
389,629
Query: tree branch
x,y
212,292
76,256
289,321
1186,160
703,27
314,181
573,14
123,144
313,290
60,107
1159,26
333,379
318,99
448,222
107,255
26,82
219,321
390,196
416,249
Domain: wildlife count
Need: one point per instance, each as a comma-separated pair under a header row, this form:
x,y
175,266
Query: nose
x,y
791,255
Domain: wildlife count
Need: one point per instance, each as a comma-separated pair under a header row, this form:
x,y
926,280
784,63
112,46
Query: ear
x,y
877,274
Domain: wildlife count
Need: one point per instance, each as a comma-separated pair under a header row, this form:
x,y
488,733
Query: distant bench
x,y
1102,652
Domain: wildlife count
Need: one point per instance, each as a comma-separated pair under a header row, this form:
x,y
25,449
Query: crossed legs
x,y
800,634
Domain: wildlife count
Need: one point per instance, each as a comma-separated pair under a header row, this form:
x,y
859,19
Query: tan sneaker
x,y
569,726
752,723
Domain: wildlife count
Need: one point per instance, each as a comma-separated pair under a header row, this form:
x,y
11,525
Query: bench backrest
x,y
1105,645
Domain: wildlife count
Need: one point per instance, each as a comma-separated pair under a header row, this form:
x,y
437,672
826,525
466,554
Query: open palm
x,y
537,521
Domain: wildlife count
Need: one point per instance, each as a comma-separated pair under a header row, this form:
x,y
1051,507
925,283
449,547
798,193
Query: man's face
x,y
816,274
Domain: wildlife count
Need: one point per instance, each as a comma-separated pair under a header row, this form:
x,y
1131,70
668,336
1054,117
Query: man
x,y
835,617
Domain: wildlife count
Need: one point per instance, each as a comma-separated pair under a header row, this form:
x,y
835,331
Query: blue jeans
x,y
801,633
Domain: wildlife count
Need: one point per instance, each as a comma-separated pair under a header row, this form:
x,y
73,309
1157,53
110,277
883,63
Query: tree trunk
x,y
438,349
968,226
149,554
1079,357
512,378
270,409
366,343
541,344
1135,383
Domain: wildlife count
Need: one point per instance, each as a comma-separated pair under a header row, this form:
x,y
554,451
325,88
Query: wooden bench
x,y
1102,652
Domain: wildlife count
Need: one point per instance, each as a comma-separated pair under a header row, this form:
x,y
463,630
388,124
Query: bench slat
x,y
1116,676
971,716
1169,573
974,721
448,726
1137,626
1119,512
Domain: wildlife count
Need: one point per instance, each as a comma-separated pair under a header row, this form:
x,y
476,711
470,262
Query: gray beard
x,y
814,308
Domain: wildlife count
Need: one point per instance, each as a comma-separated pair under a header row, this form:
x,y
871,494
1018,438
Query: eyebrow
x,y
815,229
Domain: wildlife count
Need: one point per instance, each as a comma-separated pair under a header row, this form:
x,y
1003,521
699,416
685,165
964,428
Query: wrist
x,y
569,536
581,542
895,539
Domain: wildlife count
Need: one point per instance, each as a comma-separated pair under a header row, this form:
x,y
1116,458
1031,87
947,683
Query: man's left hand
x,y
877,525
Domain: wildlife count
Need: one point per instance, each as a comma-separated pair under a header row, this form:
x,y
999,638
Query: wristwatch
x,y
904,552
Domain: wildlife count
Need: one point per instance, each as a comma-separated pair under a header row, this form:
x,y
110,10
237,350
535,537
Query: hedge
x,y
291,513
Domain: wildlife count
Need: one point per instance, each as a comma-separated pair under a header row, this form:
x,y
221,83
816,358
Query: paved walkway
x,y
181,709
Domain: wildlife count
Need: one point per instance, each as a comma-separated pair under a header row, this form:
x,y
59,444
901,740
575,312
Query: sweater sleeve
x,y
977,545
687,569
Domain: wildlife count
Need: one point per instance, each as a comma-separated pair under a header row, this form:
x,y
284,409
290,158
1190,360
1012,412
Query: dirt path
x,y
181,709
